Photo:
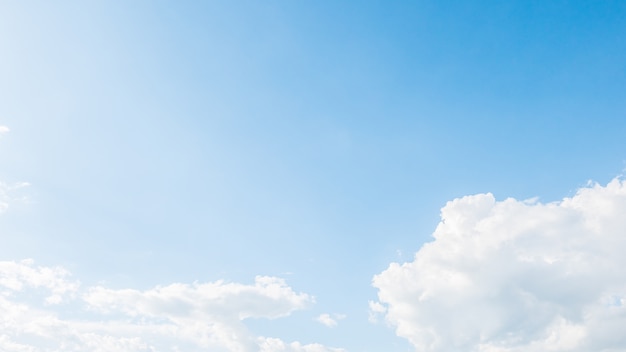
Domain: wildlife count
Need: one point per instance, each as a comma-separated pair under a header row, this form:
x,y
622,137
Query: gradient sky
x,y
314,141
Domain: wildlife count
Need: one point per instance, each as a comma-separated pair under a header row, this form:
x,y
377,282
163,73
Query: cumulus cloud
x,y
375,310
509,276
16,276
276,345
44,309
4,129
328,320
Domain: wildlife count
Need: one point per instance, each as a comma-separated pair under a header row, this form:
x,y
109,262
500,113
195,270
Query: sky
x,y
312,176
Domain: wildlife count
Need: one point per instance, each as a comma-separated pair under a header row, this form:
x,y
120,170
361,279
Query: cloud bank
x,y
43,309
512,276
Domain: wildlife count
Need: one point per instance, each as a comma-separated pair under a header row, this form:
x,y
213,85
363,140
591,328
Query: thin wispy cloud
x,y
4,129
8,194
513,276
329,320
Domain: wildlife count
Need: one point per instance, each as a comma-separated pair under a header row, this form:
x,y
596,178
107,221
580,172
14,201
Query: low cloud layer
x,y
512,276
43,309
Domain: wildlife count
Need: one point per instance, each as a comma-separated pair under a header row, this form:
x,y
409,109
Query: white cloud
x,y
375,310
14,277
4,129
328,320
276,345
509,276
41,309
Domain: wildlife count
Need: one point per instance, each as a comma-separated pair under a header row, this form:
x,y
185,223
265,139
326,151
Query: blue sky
x,y
313,141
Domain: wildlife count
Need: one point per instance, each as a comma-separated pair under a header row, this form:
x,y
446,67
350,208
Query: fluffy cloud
x,y
508,276
4,129
276,345
15,277
43,309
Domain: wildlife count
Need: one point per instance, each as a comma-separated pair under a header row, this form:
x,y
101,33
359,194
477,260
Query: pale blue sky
x,y
310,140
